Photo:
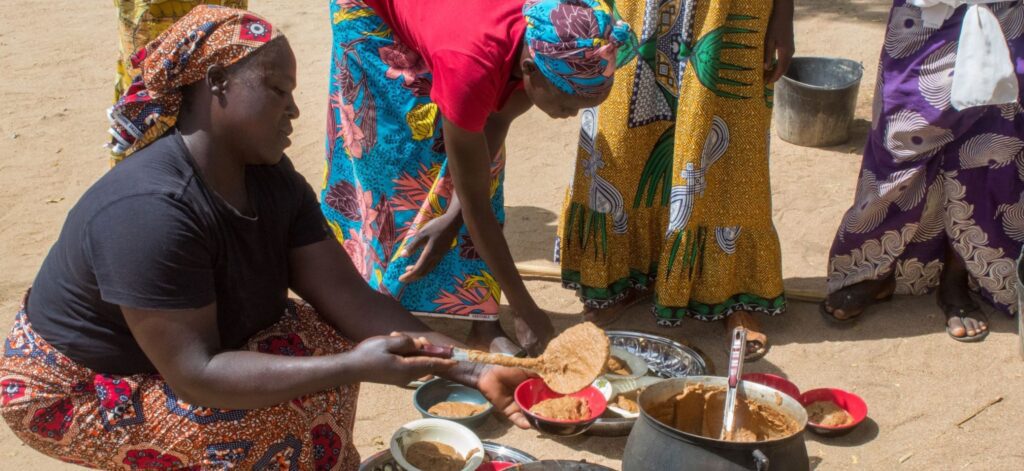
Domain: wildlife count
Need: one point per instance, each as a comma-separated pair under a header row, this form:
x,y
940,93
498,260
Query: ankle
x,y
953,285
486,329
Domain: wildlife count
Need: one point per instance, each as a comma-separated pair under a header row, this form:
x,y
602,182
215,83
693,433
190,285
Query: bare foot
x,y
490,337
850,302
757,341
964,320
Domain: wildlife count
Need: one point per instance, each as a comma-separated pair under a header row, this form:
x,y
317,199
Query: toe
x,y
972,326
956,328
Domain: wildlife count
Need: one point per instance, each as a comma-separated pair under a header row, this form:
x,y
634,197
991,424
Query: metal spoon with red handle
x,y
739,343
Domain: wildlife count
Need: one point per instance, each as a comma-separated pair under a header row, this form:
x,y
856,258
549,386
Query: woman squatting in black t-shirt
x,y
159,332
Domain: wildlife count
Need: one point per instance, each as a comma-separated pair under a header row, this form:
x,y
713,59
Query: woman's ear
x,y
529,67
217,79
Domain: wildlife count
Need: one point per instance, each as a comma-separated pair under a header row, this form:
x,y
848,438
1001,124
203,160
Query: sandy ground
x,y
56,62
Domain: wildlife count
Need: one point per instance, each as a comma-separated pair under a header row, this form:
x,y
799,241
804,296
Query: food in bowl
x,y
699,410
456,410
850,403
828,413
434,456
428,397
628,401
570,408
617,366
533,391
466,445
623,365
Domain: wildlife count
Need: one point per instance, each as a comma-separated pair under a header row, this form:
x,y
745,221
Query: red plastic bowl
x,y
775,382
848,401
495,466
533,390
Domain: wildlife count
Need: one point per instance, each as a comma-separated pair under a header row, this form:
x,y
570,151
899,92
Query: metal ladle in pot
x,y
739,344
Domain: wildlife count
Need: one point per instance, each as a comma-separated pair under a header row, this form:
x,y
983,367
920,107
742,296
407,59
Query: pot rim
x,y
846,86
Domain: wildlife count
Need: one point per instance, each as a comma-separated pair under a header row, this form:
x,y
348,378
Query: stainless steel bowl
x,y
383,461
665,358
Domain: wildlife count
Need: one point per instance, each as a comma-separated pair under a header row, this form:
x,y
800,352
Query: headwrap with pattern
x,y
576,43
208,35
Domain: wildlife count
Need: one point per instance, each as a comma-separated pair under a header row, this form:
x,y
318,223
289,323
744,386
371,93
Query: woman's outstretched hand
x,y
435,238
394,359
498,385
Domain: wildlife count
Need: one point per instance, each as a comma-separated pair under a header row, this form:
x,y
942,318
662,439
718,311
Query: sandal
x,y
755,337
962,312
609,315
852,295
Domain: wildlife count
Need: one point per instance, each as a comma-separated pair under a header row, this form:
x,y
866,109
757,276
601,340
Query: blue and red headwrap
x,y
576,43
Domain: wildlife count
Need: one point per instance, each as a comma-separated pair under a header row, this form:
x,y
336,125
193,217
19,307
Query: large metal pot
x,y
653,445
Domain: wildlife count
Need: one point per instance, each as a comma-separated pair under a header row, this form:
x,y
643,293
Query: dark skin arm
x,y
184,345
323,274
436,236
469,160
778,41
474,150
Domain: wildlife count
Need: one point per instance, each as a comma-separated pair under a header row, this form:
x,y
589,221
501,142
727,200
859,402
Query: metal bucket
x,y
815,101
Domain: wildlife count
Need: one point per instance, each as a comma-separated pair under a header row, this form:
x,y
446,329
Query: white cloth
x,y
984,73
936,12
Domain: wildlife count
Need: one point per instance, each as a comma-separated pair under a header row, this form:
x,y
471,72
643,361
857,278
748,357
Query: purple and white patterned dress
x,y
933,176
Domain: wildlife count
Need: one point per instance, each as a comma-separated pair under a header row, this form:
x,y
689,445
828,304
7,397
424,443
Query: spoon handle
x,y
739,342
439,351
477,356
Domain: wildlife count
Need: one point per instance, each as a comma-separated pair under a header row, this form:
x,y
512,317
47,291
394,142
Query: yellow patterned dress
x,y
141,21
671,188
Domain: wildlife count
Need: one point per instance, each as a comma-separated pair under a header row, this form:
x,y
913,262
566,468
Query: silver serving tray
x,y
383,461
666,358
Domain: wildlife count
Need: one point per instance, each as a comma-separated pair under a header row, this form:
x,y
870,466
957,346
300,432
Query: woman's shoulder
x,y
162,167
157,181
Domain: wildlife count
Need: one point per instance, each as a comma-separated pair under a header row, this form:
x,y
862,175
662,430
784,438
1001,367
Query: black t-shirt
x,y
151,235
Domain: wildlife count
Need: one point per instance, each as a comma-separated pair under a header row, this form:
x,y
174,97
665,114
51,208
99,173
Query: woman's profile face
x,y
258,106
554,102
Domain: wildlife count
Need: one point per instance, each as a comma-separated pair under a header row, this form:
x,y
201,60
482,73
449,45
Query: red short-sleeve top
x,y
469,46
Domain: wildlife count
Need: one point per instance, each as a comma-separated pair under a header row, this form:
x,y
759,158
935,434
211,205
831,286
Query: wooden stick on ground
x,y
980,410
